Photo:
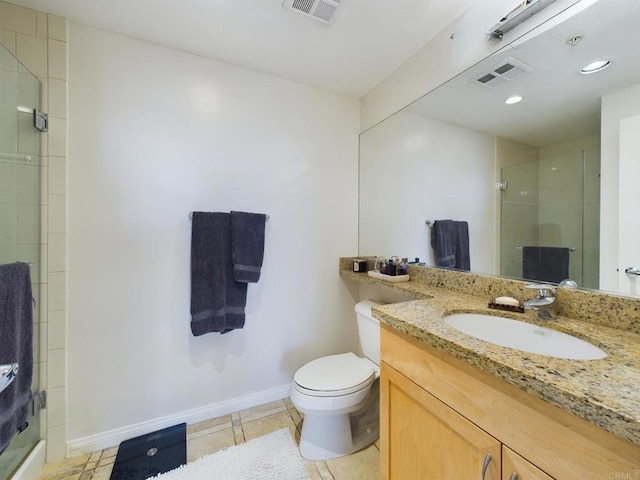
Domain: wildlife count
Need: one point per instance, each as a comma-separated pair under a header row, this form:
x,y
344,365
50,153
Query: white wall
x,y
615,107
403,162
154,134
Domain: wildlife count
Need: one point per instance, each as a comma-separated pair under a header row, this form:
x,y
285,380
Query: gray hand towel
x,y
247,245
217,300
450,242
545,264
16,346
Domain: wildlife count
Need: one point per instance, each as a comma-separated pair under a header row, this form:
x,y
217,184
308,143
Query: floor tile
x,y
95,456
297,419
210,436
108,456
266,425
208,444
210,426
238,434
364,464
261,411
323,470
102,473
68,467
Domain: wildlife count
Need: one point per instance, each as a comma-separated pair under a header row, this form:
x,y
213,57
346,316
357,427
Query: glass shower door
x,y
21,209
553,202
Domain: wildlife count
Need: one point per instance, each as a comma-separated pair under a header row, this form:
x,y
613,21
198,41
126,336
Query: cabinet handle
x,y
514,476
485,464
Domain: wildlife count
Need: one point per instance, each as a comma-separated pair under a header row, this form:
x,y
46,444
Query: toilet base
x,y
330,436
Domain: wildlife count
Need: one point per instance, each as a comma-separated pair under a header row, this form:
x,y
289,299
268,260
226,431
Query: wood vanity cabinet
x,y
441,418
514,464
428,440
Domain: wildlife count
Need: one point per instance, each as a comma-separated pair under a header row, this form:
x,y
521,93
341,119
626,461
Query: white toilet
x,y
339,396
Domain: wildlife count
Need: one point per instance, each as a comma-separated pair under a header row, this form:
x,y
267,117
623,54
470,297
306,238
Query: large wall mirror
x,y
560,168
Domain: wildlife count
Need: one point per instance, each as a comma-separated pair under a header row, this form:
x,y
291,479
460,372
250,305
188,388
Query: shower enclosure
x,y
553,202
21,209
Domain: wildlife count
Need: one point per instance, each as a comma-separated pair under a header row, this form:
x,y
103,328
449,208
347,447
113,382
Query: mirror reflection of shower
x,y
551,199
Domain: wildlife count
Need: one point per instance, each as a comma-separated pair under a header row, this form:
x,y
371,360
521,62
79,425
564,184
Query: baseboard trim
x,y
112,438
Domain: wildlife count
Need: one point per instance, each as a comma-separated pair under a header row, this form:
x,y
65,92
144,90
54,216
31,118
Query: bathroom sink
x,y
524,336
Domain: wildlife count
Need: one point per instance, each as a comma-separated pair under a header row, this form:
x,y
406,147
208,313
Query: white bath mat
x,y
271,457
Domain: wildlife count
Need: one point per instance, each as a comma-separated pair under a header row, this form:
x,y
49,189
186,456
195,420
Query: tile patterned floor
x,y
219,433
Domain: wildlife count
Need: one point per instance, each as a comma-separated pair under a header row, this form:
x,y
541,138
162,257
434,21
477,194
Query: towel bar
x,y
191,216
15,157
571,249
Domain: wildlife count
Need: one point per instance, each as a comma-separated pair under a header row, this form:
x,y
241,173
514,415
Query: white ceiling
x,y
370,39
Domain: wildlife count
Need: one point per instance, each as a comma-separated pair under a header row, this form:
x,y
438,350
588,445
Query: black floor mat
x,y
151,454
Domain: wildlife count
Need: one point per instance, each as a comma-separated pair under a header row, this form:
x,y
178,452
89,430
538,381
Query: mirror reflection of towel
x,y
450,242
545,264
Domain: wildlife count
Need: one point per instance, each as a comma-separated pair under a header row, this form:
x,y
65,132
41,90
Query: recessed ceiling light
x,y
594,67
513,99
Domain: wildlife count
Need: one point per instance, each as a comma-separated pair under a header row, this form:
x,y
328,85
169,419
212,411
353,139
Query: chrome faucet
x,y
544,303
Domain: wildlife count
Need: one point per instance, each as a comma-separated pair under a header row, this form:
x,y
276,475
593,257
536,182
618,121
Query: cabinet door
x,y
514,467
422,438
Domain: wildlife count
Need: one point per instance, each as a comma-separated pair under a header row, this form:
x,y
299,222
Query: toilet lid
x,y
335,373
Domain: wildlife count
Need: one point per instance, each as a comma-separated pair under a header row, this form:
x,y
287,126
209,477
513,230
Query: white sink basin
x,y
524,336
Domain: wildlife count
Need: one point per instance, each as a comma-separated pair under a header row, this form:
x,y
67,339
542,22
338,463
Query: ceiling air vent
x,y
506,70
324,10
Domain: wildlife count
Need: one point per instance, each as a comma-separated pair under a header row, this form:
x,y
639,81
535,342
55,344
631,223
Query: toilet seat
x,y
335,375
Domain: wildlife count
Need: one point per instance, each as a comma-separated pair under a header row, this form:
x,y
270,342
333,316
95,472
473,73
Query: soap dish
x,y
506,308
388,278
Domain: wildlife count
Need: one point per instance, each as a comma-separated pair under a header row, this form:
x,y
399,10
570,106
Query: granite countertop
x,y
605,392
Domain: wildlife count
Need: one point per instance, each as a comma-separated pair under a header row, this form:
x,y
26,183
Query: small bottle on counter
x,y
383,267
403,267
392,268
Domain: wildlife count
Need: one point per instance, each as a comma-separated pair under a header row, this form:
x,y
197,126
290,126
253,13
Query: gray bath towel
x,y
16,346
217,300
247,245
545,264
450,242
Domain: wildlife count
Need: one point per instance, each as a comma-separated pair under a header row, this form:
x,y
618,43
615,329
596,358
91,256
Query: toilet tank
x,y
368,331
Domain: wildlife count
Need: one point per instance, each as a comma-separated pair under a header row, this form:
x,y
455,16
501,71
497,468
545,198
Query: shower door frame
x,y
22,168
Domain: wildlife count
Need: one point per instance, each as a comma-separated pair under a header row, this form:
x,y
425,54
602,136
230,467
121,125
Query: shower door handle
x,y
7,373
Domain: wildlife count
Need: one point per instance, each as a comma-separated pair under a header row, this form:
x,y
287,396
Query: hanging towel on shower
x,y
16,346
450,242
247,245
545,264
217,300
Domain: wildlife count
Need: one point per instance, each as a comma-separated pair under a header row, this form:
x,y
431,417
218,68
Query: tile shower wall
x,y
39,41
